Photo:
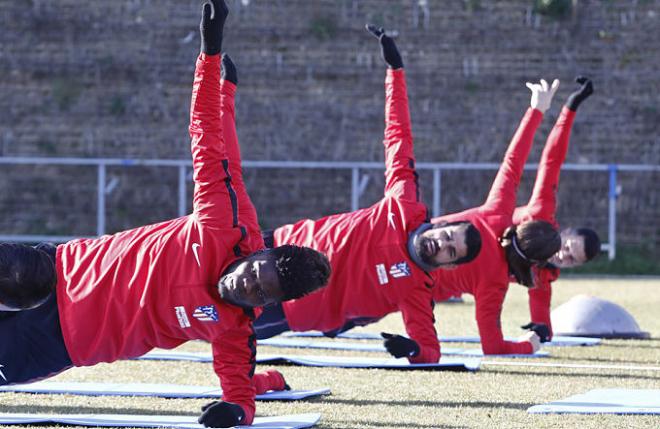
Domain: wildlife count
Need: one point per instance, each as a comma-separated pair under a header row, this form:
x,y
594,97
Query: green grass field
x,y
495,396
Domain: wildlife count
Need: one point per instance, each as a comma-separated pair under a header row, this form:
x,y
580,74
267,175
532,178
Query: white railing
x,y
358,183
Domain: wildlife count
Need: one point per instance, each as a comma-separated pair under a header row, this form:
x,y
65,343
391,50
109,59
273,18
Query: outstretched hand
x,y
541,330
400,346
214,15
577,97
533,339
376,31
221,414
542,94
228,70
388,47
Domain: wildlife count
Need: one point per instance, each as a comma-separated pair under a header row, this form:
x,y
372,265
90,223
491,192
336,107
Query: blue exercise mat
x,y
557,340
361,347
605,401
293,421
149,389
446,363
161,354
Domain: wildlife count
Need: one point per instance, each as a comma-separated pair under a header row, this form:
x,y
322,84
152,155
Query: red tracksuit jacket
x,y
542,205
487,277
372,274
121,295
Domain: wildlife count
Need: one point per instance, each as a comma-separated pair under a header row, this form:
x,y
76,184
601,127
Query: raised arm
x,y
214,200
247,214
502,196
215,203
400,176
543,202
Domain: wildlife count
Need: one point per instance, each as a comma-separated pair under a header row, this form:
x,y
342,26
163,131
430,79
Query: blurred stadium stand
x,y
112,79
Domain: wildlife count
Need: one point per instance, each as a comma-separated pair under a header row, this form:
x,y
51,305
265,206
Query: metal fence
x,y
358,183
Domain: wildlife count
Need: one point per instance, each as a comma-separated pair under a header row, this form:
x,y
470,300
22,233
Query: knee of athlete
x,y
27,277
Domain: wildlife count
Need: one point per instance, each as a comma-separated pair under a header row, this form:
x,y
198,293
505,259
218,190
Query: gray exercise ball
x,y
590,316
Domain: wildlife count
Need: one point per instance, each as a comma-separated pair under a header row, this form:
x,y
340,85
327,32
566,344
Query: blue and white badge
x,y
206,313
400,269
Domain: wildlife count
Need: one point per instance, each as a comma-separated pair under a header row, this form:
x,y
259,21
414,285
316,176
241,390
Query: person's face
x,y
441,246
571,253
253,282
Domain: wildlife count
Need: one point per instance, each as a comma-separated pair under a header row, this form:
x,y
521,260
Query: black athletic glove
x,y
214,14
586,89
220,414
541,330
388,47
228,71
400,346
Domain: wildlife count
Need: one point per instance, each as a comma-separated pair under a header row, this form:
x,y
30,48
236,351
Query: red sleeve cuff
x,y
227,87
393,75
535,113
268,380
209,58
568,113
426,355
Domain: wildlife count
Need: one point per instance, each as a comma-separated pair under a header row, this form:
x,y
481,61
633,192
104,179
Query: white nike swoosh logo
x,y
1,373
390,219
196,246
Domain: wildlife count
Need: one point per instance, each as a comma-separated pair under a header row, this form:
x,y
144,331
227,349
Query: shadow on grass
x,y
611,361
55,409
651,343
582,374
372,424
439,403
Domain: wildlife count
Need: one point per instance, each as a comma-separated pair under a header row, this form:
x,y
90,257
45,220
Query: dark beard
x,y
420,248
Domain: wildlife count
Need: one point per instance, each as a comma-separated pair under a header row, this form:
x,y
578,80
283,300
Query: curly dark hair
x,y
27,276
300,270
591,242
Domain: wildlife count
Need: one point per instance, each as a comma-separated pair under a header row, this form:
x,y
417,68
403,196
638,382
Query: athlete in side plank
x,y
201,276
578,245
381,256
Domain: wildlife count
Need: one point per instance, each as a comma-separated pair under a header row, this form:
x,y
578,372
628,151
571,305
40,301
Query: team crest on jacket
x,y
400,269
206,313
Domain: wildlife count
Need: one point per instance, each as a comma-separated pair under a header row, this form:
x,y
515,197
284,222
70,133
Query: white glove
x,y
533,339
542,94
